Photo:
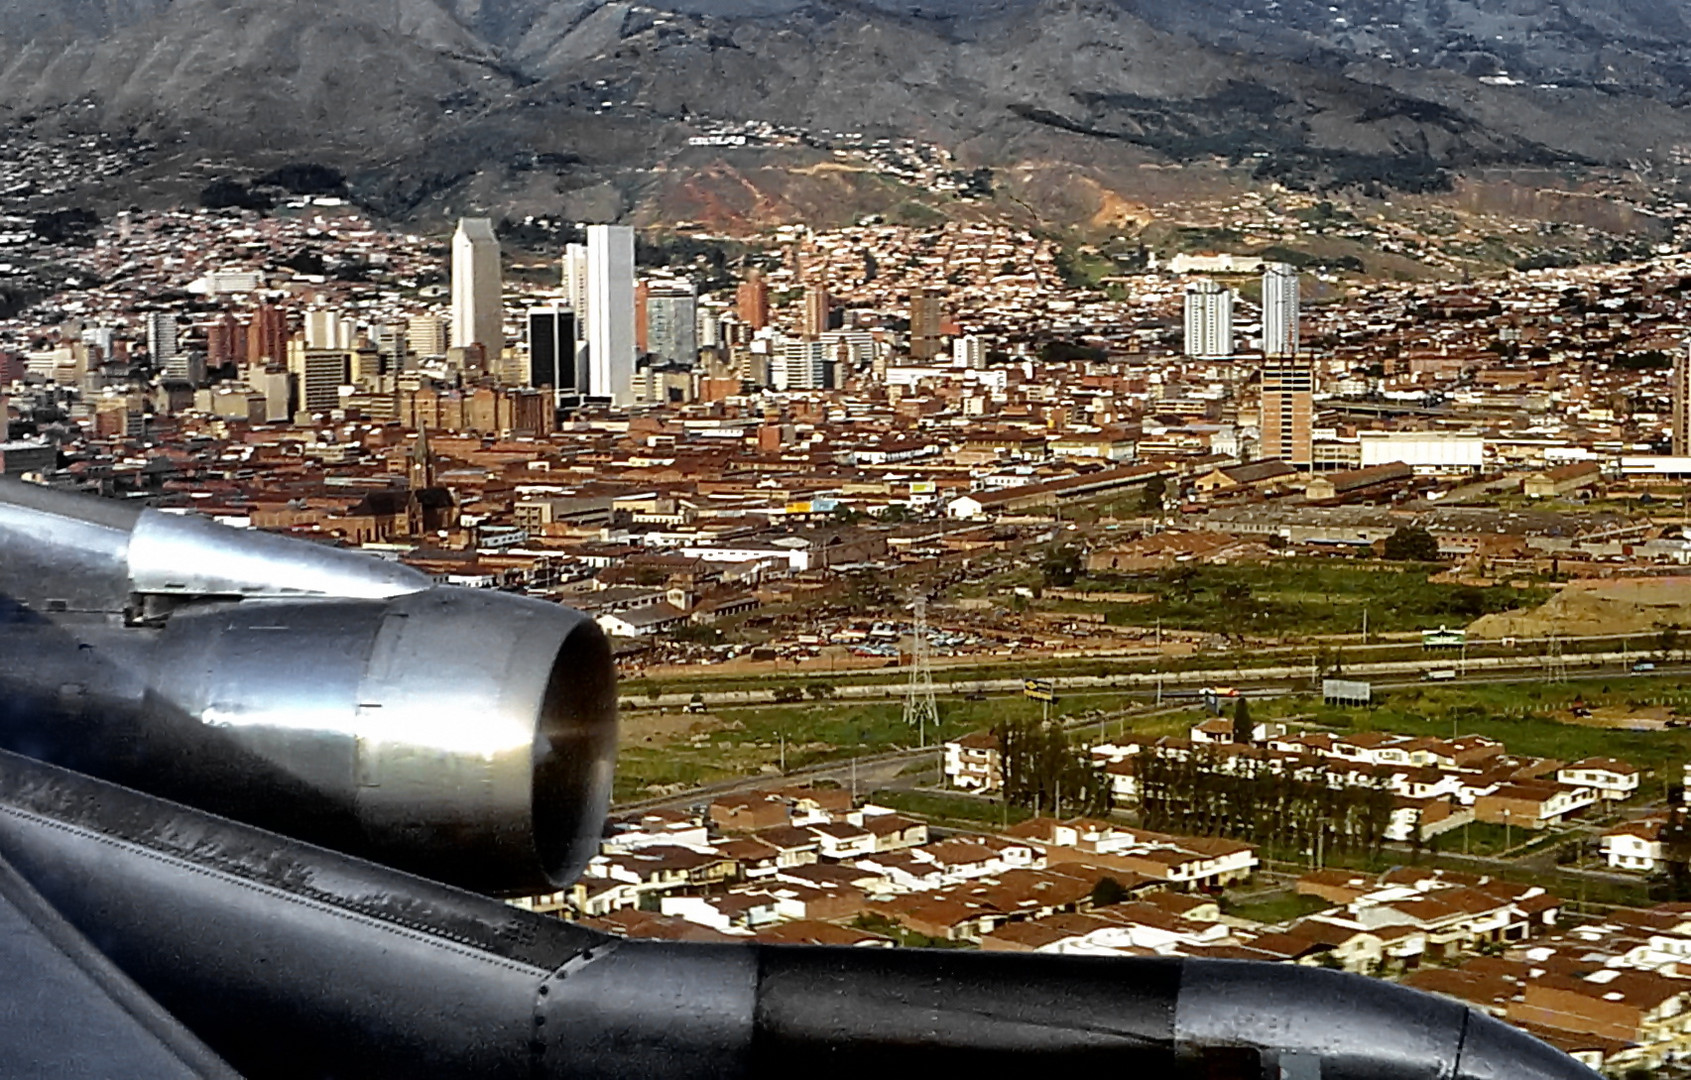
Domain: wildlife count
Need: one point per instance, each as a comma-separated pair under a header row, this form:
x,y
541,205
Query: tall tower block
x,y
478,316
1280,311
610,313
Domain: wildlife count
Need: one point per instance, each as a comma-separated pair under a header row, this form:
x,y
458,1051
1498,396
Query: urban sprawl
x,y
1220,604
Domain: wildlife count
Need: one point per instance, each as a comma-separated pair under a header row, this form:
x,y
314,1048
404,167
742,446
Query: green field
x,y
1278,908
751,738
1298,596
1518,715
964,811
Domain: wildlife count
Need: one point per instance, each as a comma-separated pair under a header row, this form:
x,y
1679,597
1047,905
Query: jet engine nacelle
x,y
463,734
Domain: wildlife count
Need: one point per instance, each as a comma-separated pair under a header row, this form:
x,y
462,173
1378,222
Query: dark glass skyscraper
x,y
551,349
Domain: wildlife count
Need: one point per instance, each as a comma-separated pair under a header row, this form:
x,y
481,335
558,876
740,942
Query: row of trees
x,y
1046,773
1205,794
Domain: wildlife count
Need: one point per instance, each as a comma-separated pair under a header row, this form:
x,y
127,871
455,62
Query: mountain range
x,y
586,107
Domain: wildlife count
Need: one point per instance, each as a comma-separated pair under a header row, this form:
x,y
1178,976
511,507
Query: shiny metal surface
x,y
293,961
464,734
105,552
185,555
63,553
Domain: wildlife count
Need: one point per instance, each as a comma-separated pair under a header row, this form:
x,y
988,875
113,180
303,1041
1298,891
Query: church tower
x,y
422,462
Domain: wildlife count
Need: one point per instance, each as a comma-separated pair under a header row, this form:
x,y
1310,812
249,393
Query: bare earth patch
x,y
646,728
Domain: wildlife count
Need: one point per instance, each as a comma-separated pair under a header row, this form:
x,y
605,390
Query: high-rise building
x,y
326,329
280,390
187,366
927,324
751,300
226,342
1209,319
162,343
707,326
395,346
426,334
818,307
575,284
551,349
610,313
478,316
803,365
672,322
642,333
1288,412
319,375
1682,402
267,335
1279,309
969,352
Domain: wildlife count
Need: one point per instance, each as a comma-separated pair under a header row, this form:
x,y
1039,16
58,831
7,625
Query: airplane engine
x,y
464,734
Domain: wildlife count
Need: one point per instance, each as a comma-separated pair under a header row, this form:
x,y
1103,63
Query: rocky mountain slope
x,y
432,106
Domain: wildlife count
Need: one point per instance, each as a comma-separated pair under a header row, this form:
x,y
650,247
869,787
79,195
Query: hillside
x,y
587,106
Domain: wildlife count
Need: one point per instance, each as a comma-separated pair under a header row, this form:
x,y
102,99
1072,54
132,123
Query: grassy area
x,y
1279,908
1581,893
960,810
1519,715
1300,596
749,740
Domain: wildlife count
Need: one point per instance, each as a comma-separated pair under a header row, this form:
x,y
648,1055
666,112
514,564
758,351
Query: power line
x,y
1556,664
920,710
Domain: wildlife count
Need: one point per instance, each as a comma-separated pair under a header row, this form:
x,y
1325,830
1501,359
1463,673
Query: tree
x,y
1151,497
1411,543
1108,891
1043,772
1061,567
1467,600
1182,581
1242,726
697,634
866,590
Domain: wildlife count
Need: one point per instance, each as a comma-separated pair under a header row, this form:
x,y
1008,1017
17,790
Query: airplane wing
x,y
67,1011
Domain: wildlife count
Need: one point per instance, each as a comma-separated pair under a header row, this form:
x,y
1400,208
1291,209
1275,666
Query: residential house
x,y
1613,780
1635,845
974,763
1532,804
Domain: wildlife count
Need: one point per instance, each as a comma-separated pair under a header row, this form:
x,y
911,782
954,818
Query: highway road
x,y
1284,679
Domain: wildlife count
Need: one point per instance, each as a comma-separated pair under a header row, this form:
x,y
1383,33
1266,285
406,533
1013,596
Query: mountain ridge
x,y
435,106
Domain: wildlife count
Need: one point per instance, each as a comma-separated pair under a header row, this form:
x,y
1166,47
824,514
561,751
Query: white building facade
x,y
610,313
1209,320
478,316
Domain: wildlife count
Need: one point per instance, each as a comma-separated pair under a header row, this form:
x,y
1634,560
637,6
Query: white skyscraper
x,y
1209,319
478,316
610,313
803,366
969,352
575,284
1279,309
